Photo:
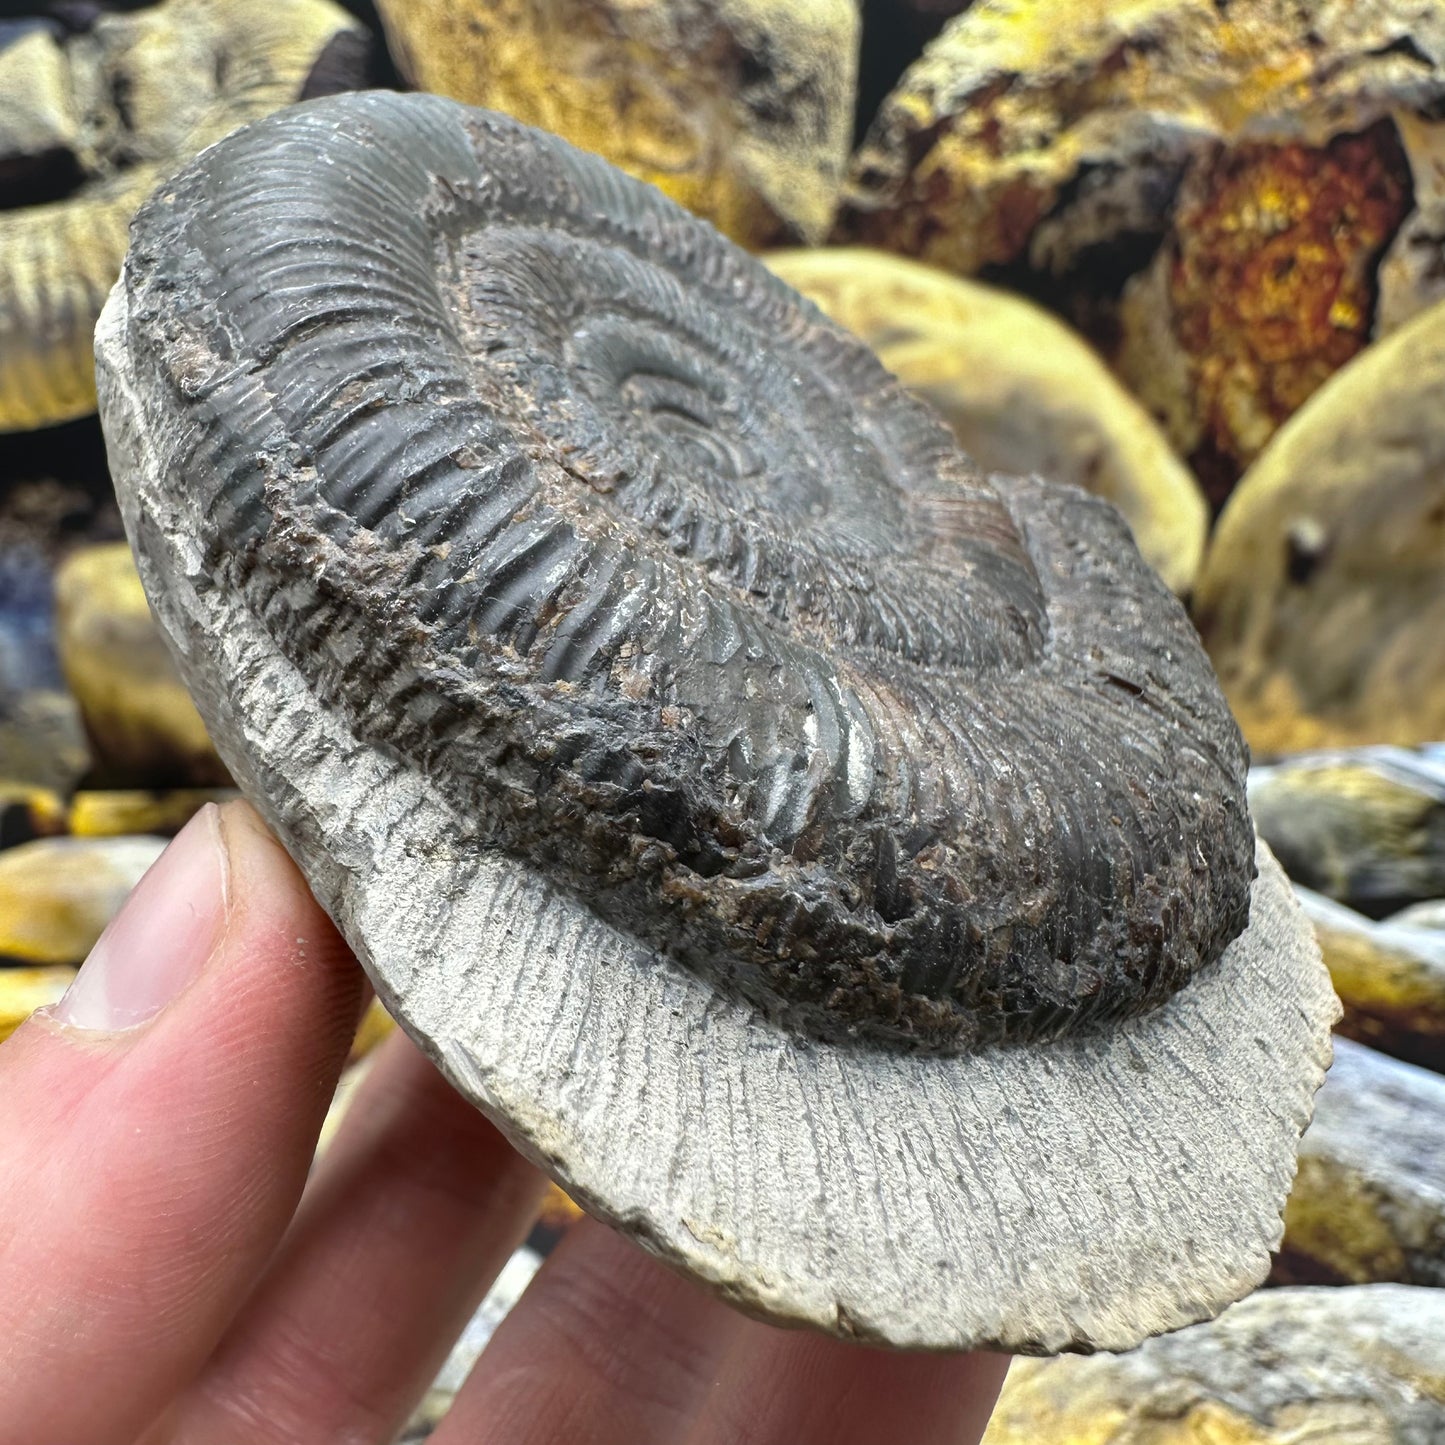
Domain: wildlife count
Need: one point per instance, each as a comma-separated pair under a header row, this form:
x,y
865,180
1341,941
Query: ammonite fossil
x,y
831,862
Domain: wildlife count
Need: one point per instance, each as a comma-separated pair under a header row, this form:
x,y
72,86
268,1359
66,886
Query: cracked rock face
x,y
711,765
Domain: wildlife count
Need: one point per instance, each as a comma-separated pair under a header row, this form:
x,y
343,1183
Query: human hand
x,y
170,1275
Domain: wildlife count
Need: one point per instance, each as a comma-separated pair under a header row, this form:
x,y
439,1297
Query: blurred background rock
x,y
1187,255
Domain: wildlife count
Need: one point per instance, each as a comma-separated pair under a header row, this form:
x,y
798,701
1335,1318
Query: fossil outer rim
x,y
1083,1193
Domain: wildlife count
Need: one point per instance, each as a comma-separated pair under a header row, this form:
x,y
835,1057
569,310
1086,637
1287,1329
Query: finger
x,y
781,1387
606,1347
415,1208
158,1127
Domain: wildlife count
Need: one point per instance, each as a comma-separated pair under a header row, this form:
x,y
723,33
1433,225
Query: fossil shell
x,y
127,101
759,811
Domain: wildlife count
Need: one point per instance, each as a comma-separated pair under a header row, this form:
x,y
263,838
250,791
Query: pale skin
x,y
174,1272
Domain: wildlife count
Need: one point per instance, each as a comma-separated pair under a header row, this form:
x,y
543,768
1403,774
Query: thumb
x,y
158,1129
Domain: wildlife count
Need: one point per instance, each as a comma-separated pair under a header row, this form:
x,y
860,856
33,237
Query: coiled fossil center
x,y
688,428
732,448
682,402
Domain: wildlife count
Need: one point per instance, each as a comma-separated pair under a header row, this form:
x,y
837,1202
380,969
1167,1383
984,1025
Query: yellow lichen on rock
x,y
375,1028
114,813
558,1209
143,726
1021,391
1390,979
740,110
1268,287
1039,1405
1333,1219
1364,826
28,812
188,72
1322,595
1368,1200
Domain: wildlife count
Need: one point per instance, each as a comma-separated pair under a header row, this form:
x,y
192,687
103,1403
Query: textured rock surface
x,y
1411,277
1021,391
119,106
894,35
57,894
1362,1366
1208,189
1390,977
1322,596
142,723
42,742
1364,826
741,110
1368,1202
1265,287
751,845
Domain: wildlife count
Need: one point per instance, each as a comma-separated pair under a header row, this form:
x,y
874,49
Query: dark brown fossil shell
x,y
650,690
671,589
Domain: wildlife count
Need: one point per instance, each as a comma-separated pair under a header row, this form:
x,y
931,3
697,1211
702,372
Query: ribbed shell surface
x,y
675,594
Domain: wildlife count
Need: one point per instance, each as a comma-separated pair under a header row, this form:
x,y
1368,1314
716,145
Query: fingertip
x,y
159,942
166,1146
246,829
276,924
262,878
